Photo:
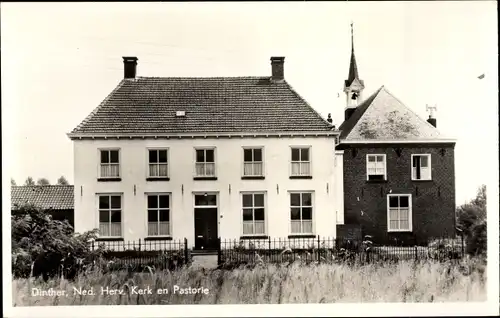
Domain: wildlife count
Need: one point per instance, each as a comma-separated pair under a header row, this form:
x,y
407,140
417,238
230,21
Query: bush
x,y
476,243
471,219
45,247
442,249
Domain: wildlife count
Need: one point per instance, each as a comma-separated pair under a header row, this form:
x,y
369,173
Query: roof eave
x,y
318,133
399,141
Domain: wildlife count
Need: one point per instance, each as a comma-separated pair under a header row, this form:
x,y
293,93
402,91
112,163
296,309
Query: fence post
x,y
186,255
319,256
269,253
416,253
139,244
219,252
462,243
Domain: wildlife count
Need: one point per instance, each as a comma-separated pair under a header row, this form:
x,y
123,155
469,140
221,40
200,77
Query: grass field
x,y
270,284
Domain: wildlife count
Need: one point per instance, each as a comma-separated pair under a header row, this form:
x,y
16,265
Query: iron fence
x,y
327,250
138,255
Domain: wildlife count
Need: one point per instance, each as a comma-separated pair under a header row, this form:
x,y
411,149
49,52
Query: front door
x,y
205,221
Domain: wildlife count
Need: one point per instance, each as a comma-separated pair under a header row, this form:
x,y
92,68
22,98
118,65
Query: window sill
x,y
204,178
109,179
109,239
301,177
376,181
253,178
158,179
254,237
158,238
399,231
301,236
422,180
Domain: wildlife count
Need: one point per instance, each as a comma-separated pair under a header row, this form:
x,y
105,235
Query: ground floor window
x,y
253,213
158,214
110,215
301,212
399,212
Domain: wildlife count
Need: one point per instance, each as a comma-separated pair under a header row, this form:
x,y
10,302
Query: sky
x,y
59,61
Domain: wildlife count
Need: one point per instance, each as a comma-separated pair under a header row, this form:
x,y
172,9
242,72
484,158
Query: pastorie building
x,y
202,158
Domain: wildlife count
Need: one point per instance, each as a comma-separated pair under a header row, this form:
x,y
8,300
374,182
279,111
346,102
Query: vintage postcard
x,y
272,158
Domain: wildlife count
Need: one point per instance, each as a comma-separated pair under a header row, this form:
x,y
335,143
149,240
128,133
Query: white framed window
x,y
399,213
253,163
421,167
376,167
157,163
253,213
158,214
301,212
205,162
109,163
110,215
300,161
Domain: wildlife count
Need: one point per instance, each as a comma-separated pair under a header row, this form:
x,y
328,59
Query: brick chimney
x,y
431,110
329,119
278,72
129,66
432,121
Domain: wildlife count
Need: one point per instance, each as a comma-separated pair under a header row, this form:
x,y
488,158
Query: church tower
x,y
353,86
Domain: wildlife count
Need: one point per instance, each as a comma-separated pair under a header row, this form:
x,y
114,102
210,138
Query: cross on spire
x,y
352,36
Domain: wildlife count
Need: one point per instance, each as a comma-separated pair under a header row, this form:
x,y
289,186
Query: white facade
x,y
325,184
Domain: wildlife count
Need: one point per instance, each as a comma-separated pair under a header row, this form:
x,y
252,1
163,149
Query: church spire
x,y
353,68
353,86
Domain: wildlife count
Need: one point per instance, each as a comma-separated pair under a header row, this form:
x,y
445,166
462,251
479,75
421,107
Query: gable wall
x,y
433,201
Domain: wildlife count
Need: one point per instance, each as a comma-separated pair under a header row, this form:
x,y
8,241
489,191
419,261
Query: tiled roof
x,y
211,105
383,117
55,197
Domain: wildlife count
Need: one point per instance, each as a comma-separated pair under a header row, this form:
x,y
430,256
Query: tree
x,y
471,219
29,181
62,181
12,182
43,181
42,246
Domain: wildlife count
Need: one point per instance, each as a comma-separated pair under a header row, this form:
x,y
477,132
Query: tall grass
x,y
271,284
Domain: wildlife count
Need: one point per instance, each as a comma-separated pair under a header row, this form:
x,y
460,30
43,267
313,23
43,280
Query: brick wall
x,y
433,202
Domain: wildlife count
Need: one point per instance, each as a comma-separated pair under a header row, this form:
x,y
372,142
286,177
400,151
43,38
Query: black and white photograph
x,y
341,157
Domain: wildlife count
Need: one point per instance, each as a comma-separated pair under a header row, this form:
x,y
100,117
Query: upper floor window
x,y
253,213
110,163
376,167
421,167
205,162
301,212
253,164
158,163
301,161
399,214
110,215
158,214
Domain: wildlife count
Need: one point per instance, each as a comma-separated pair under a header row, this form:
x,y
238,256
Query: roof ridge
x,y
103,102
411,110
290,87
202,77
